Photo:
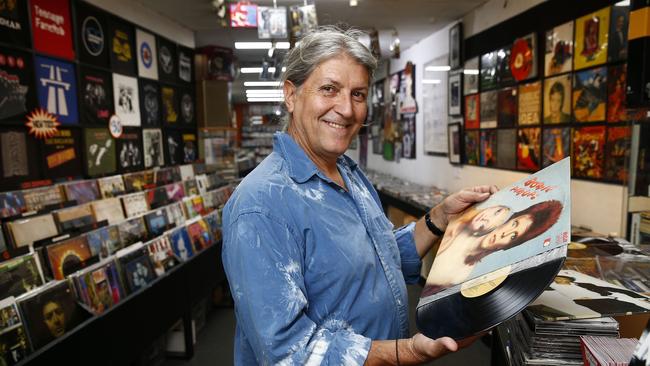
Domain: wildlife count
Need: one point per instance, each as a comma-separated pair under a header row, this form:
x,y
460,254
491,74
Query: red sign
x,y
42,124
51,27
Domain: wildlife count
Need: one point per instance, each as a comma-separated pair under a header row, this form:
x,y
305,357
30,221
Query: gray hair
x,y
322,44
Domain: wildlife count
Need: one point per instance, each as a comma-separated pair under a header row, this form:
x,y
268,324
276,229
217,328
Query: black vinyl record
x,y
186,107
167,60
95,96
173,147
122,47
459,317
185,64
62,154
130,156
14,25
150,108
582,250
92,35
18,158
17,91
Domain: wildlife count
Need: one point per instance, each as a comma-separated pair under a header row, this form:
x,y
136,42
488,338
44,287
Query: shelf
x,y
638,204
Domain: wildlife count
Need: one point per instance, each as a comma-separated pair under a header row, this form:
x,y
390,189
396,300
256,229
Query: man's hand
x,y
427,349
458,202
416,350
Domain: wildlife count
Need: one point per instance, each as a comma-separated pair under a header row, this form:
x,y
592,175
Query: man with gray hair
x,y
317,272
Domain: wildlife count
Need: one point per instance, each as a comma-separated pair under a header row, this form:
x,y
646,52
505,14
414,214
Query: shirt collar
x,y
301,167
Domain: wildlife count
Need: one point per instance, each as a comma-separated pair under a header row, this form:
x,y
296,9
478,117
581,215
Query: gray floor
x,y
214,344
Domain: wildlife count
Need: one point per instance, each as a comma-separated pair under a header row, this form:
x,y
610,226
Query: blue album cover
x,y
181,243
520,221
56,85
104,241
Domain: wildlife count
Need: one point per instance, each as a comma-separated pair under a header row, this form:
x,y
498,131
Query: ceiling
x,y
413,19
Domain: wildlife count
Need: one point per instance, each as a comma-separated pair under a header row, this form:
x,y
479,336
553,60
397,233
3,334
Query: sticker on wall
x,y
16,86
126,99
92,36
14,25
51,28
57,88
42,124
96,96
122,52
147,60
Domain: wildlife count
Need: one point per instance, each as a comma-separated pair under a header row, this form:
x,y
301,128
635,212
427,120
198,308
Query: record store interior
x,y
324,182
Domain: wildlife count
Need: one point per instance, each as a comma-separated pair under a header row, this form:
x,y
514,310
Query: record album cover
x,y
68,256
617,152
472,147
618,28
19,275
506,148
99,151
50,313
200,234
14,24
62,154
109,209
130,155
529,148
92,35
121,46
588,151
504,74
147,54
559,49
272,22
137,270
175,192
126,99
56,87
12,204
303,19
488,73
470,76
111,186
185,64
166,60
97,287
82,191
51,28
161,255
73,218
169,105
38,198
530,103
557,145
488,106
23,233
96,96
17,89
523,57
523,227
488,150
156,197
132,231
150,110
135,204
589,95
104,241
19,157
152,142
616,84
186,107
175,214
574,295
14,345
507,107
557,99
472,111
156,222
181,243
591,38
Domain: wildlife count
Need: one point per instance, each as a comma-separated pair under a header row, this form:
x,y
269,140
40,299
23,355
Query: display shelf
x,y
118,336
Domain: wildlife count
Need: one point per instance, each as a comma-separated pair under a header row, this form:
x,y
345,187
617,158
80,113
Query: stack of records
x,y
608,351
529,340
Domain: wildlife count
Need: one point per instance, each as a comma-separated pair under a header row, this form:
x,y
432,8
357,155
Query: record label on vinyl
x,y
484,284
521,59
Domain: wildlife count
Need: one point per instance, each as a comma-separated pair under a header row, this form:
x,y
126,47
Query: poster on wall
x,y
434,105
51,28
617,152
470,76
272,22
152,144
169,105
557,145
146,50
504,74
96,96
303,20
488,73
377,118
530,103
122,47
186,107
166,60
150,108
557,99
472,147
507,107
529,148
506,154
62,154
407,103
488,107
130,156
16,84
588,151
92,37
558,57
126,99
57,88
14,25
472,111
185,62
488,148
589,95
523,57
617,40
616,81
591,34
99,150
454,93
408,136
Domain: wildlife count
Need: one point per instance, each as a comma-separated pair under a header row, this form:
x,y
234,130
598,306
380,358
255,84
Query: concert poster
x,y
591,38
529,142
589,95
588,151
557,144
488,149
617,153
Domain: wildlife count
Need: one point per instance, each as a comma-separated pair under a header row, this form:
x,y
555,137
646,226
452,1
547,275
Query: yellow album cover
x,y
592,32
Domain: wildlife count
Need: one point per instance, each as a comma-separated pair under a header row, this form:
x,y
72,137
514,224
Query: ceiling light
x,y
256,70
267,99
282,45
353,3
264,91
262,83
253,45
623,3
437,68
431,81
470,71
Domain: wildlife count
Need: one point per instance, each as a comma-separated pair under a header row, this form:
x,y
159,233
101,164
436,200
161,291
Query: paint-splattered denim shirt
x,y
316,271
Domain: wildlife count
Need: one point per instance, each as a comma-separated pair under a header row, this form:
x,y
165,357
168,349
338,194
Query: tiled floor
x,y
215,342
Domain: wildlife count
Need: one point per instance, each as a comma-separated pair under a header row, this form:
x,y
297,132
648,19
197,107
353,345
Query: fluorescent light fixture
x,y
253,45
262,83
437,68
264,91
623,3
282,45
353,3
470,72
264,99
431,81
256,70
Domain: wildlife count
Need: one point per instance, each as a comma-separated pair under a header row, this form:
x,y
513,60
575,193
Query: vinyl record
x,y
521,59
581,250
459,317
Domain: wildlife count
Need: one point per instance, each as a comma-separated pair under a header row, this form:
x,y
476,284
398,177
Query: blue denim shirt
x,y
316,272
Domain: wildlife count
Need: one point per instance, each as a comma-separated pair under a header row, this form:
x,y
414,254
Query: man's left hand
x,y
458,202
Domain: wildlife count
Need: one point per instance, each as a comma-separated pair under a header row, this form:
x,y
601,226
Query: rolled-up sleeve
x,y
264,262
409,257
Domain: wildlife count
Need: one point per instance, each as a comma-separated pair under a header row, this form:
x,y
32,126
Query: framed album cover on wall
x,y
455,145
455,46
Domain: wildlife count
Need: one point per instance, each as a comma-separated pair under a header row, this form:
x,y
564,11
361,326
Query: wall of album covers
x,y
81,65
437,171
